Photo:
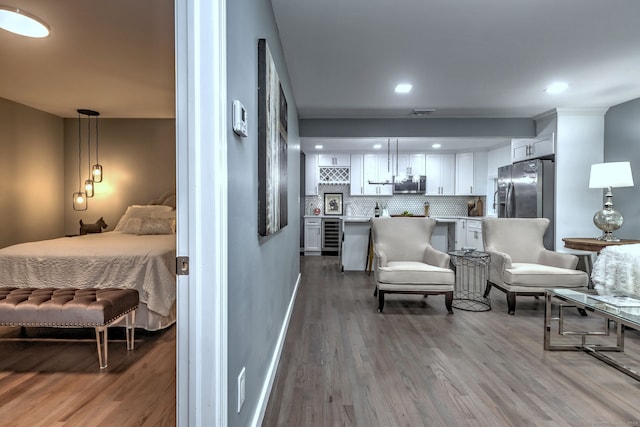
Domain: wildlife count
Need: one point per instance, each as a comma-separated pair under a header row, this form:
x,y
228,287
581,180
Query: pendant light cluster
x,y
80,198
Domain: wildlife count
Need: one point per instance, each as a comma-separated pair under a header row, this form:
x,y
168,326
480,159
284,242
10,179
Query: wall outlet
x,y
241,379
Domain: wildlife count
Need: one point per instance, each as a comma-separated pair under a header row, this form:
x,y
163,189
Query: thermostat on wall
x,y
239,118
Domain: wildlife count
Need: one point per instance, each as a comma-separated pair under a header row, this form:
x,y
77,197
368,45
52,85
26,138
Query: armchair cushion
x,y
415,275
539,275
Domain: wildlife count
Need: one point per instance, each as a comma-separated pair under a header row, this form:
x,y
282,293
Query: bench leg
x,y
131,327
101,340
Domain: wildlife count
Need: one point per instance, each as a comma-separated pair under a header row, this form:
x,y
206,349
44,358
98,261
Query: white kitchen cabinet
x,y
532,148
333,160
409,164
440,174
461,234
376,171
464,173
311,175
356,187
469,234
313,236
471,174
474,234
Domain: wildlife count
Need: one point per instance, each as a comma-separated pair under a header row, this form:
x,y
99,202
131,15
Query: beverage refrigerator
x,y
526,190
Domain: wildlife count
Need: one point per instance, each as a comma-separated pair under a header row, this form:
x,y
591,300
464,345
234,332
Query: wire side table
x,y
472,269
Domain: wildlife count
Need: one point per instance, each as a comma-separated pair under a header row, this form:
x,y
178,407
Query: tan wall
x,y
31,174
138,159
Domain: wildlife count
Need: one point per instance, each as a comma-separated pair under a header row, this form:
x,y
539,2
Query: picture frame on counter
x,y
333,204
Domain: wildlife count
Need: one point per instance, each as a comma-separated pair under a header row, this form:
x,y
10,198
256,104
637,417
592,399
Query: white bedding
x,y
101,260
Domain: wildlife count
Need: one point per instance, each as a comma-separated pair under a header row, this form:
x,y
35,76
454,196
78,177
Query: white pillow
x,y
142,211
156,226
132,226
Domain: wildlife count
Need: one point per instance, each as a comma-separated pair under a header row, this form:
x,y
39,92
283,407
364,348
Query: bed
x,y
139,254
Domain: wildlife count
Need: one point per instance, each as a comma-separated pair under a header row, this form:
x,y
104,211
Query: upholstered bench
x,y
71,308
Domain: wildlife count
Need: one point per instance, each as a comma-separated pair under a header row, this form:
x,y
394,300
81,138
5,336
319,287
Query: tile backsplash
x,y
396,204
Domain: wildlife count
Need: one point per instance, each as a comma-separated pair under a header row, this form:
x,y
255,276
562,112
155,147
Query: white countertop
x,y
356,218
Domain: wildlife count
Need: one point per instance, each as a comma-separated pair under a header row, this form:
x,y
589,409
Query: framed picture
x,y
333,203
272,146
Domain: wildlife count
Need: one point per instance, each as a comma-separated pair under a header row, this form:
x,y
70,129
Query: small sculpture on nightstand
x,y
92,228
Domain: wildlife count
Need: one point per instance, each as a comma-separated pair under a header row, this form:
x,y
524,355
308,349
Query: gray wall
x,y
39,171
262,272
31,174
138,157
622,143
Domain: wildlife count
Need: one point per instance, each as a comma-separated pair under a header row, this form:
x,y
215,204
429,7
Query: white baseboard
x,y
275,359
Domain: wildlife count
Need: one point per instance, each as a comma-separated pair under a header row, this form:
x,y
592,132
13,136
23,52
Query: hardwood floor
x,y
344,364
53,379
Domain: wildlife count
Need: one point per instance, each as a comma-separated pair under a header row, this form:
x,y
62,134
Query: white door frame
x,y
201,162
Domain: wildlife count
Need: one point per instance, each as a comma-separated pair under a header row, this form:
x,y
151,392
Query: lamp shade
x,y
612,174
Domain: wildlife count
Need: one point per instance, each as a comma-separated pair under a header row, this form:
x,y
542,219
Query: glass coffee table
x,y
616,308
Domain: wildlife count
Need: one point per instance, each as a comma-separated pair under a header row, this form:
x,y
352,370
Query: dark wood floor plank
x,y
344,364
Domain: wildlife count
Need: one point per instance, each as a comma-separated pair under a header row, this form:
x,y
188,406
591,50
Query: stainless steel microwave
x,y
410,184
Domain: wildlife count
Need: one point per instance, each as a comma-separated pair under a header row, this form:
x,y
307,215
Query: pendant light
x,y
96,170
80,197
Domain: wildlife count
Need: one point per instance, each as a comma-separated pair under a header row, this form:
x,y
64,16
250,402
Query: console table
x,y
592,244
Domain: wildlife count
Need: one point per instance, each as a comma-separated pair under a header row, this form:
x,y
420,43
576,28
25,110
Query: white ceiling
x,y
465,58
113,56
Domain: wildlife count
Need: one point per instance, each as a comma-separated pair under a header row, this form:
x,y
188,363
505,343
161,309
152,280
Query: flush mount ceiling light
x,y
403,88
19,22
436,145
556,88
318,147
377,146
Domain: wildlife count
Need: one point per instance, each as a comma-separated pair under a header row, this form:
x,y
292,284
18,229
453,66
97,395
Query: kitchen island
x,y
450,233
355,244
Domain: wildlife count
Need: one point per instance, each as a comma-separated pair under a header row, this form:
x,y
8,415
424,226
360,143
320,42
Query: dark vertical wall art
x,y
272,146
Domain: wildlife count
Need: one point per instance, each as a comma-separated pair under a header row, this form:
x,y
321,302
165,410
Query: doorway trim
x,y
201,163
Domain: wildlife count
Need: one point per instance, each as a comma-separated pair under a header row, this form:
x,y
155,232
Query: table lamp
x,y
609,175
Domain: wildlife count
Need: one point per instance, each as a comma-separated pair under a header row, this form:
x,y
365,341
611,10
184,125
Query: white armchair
x,y
521,265
406,262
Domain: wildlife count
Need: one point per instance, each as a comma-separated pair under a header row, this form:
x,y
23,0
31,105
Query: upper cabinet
x,y
311,174
333,169
440,174
532,148
471,173
409,164
333,160
357,175
377,173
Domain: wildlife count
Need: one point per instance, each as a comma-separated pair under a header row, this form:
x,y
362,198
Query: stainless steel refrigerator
x,y
525,190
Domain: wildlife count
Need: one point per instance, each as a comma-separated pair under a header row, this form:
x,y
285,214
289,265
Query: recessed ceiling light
x,y
403,88
377,146
319,147
436,145
19,22
557,87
